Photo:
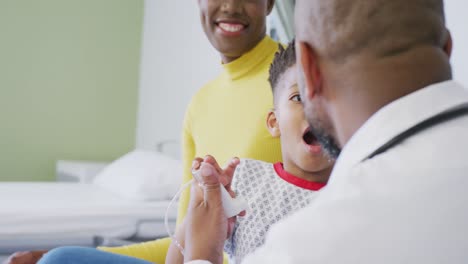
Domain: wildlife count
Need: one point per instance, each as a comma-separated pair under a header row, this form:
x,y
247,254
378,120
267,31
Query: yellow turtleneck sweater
x,y
226,118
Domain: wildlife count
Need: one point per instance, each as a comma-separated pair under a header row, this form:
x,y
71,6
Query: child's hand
x,y
226,174
207,225
225,177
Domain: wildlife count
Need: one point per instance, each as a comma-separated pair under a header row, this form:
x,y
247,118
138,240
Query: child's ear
x,y
272,124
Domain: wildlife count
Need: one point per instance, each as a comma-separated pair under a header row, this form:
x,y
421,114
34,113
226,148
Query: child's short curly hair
x,y
284,59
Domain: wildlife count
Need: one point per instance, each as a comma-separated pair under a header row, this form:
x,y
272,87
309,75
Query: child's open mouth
x,y
313,145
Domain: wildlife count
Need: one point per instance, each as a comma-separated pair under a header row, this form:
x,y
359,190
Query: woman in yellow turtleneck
x,y
226,118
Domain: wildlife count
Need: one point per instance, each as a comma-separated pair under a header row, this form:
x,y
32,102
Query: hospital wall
x,y
457,22
68,84
177,60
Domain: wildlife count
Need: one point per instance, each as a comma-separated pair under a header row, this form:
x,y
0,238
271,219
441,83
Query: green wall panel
x,y
68,83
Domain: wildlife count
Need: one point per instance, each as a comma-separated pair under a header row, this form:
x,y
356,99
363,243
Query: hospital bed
x,y
85,211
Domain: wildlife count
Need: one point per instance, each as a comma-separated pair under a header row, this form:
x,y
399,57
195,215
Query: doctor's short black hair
x,y
284,59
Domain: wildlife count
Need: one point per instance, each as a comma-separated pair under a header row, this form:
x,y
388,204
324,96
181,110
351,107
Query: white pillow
x,y
142,175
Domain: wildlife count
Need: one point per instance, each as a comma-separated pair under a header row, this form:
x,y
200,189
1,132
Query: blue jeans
x,y
82,255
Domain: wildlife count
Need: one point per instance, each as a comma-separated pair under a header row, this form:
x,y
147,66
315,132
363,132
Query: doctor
x,y
376,82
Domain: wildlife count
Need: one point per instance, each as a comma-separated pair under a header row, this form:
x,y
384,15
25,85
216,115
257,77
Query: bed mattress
x,y
31,211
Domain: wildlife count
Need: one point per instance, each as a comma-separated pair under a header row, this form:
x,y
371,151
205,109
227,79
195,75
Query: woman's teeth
x,y
231,27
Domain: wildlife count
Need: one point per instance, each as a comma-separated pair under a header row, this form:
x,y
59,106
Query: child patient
x,y
273,191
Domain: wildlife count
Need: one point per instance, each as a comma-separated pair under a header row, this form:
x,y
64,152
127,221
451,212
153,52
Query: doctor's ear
x,y
272,124
448,45
309,70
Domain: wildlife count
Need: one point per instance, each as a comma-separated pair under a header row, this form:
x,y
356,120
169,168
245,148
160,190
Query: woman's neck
x,y
225,58
228,59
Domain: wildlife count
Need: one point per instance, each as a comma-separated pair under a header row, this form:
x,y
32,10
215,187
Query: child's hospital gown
x,y
272,194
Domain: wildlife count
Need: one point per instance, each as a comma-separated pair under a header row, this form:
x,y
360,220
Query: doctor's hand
x,y
207,227
26,257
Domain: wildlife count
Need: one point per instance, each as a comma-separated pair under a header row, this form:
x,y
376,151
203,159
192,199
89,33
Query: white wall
x,y
177,60
457,22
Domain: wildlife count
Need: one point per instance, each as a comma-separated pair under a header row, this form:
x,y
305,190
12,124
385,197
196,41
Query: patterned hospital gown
x,y
272,194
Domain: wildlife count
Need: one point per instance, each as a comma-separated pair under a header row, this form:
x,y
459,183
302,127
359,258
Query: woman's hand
x,y
26,257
